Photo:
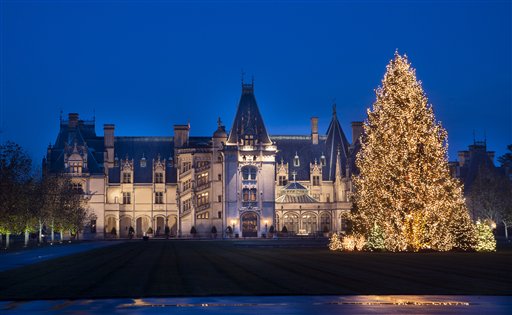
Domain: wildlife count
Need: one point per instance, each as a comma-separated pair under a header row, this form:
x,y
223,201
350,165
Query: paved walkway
x,y
299,305
32,256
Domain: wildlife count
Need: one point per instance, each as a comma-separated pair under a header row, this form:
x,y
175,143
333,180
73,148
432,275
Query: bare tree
x,y
490,197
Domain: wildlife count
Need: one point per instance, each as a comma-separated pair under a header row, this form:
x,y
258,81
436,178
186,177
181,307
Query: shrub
x,y
150,231
271,230
193,230
113,231
353,242
376,239
486,241
284,229
214,230
335,242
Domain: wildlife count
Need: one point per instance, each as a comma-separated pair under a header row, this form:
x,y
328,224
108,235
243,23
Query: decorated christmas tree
x,y
335,242
404,184
486,241
376,239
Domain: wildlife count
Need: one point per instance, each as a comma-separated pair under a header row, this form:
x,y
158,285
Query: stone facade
x,y
242,183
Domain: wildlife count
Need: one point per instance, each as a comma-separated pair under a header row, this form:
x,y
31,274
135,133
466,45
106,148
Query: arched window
x,y
309,223
325,222
291,221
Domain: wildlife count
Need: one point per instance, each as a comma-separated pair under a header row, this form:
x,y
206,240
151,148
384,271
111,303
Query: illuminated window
x,y
143,162
202,179
127,198
159,197
127,178
202,199
249,194
204,215
322,160
159,177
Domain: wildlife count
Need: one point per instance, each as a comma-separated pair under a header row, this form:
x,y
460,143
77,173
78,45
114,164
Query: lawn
x,y
266,267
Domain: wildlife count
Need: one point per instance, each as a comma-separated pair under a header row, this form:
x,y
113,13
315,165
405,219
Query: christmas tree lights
x,y
404,185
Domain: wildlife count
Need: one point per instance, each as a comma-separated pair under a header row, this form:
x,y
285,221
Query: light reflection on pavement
x,y
357,304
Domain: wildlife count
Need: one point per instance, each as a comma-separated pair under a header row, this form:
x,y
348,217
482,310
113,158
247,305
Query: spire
x,y
336,144
248,123
338,166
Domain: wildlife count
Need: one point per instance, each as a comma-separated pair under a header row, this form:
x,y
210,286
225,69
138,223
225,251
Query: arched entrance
x,y
124,226
160,226
142,226
249,224
173,225
110,227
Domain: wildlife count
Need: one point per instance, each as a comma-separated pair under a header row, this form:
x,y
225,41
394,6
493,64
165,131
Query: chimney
x,y
357,130
463,156
490,154
181,135
314,130
73,120
108,142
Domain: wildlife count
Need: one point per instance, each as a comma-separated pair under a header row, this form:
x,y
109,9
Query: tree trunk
x,y
26,238
506,229
40,232
53,231
61,235
7,240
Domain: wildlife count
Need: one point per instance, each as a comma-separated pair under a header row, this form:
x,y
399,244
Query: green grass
x,y
201,268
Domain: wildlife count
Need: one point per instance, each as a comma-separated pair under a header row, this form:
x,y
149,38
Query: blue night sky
x,y
145,66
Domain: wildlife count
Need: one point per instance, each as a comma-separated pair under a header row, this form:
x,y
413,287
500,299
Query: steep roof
x,y
83,135
248,120
336,141
151,148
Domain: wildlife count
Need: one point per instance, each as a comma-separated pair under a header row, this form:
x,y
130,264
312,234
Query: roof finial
x,y
294,173
242,74
334,106
219,122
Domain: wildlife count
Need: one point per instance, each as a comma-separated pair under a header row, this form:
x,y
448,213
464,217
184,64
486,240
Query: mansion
x,y
242,180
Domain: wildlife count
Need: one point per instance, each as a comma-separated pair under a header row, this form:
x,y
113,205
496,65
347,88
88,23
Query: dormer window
x,y
322,160
143,161
296,161
127,178
116,161
159,177
248,140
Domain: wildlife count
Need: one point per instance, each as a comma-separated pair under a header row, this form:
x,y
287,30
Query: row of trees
x,y
404,192
490,196
29,203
